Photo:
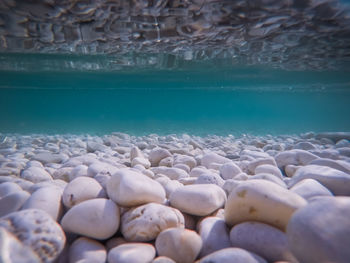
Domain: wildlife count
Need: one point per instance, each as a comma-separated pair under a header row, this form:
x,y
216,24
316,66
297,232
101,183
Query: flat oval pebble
x,y
144,223
214,234
309,188
81,189
211,158
200,199
157,154
229,170
8,188
336,181
12,250
129,188
13,202
36,229
320,231
262,239
181,245
96,218
262,201
35,174
132,252
47,199
88,250
232,255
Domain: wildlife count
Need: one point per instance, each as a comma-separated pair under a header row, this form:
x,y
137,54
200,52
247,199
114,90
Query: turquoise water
x,y
197,99
201,67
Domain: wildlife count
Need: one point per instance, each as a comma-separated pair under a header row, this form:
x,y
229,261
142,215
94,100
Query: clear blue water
x,y
227,67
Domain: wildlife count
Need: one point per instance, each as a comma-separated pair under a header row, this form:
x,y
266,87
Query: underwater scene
x,y
175,131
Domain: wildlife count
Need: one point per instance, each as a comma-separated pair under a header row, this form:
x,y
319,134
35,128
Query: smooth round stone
x,y
268,169
309,188
212,157
87,250
8,188
336,181
13,202
157,154
183,166
229,170
230,255
12,250
335,164
210,178
35,174
140,161
81,189
145,222
262,201
294,157
214,234
47,199
181,245
36,229
229,185
268,177
253,164
168,162
130,188
132,252
96,218
163,260
199,199
185,159
262,239
320,231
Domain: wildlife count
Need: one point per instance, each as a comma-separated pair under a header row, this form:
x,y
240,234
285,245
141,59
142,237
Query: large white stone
x,y
335,164
47,157
140,161
36,229
13,202
229,170
269,169
199,199
309,188
78,171
294,157
96,218
13,251
262,201
144,223
185,159
214,234
47,199
181,245
158,154
336,181
320,231
130,188
264,161
211,158
35,174
210,178
81,189
230,255
262,239
87,250
132,252
8,188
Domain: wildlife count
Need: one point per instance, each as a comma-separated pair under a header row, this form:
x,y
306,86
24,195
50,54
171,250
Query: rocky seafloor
x,y
175,198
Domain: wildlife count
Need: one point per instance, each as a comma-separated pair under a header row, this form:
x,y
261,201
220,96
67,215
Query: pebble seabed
x,y
175,198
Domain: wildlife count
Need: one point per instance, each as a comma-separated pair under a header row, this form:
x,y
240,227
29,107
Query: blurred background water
x,y
195,66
